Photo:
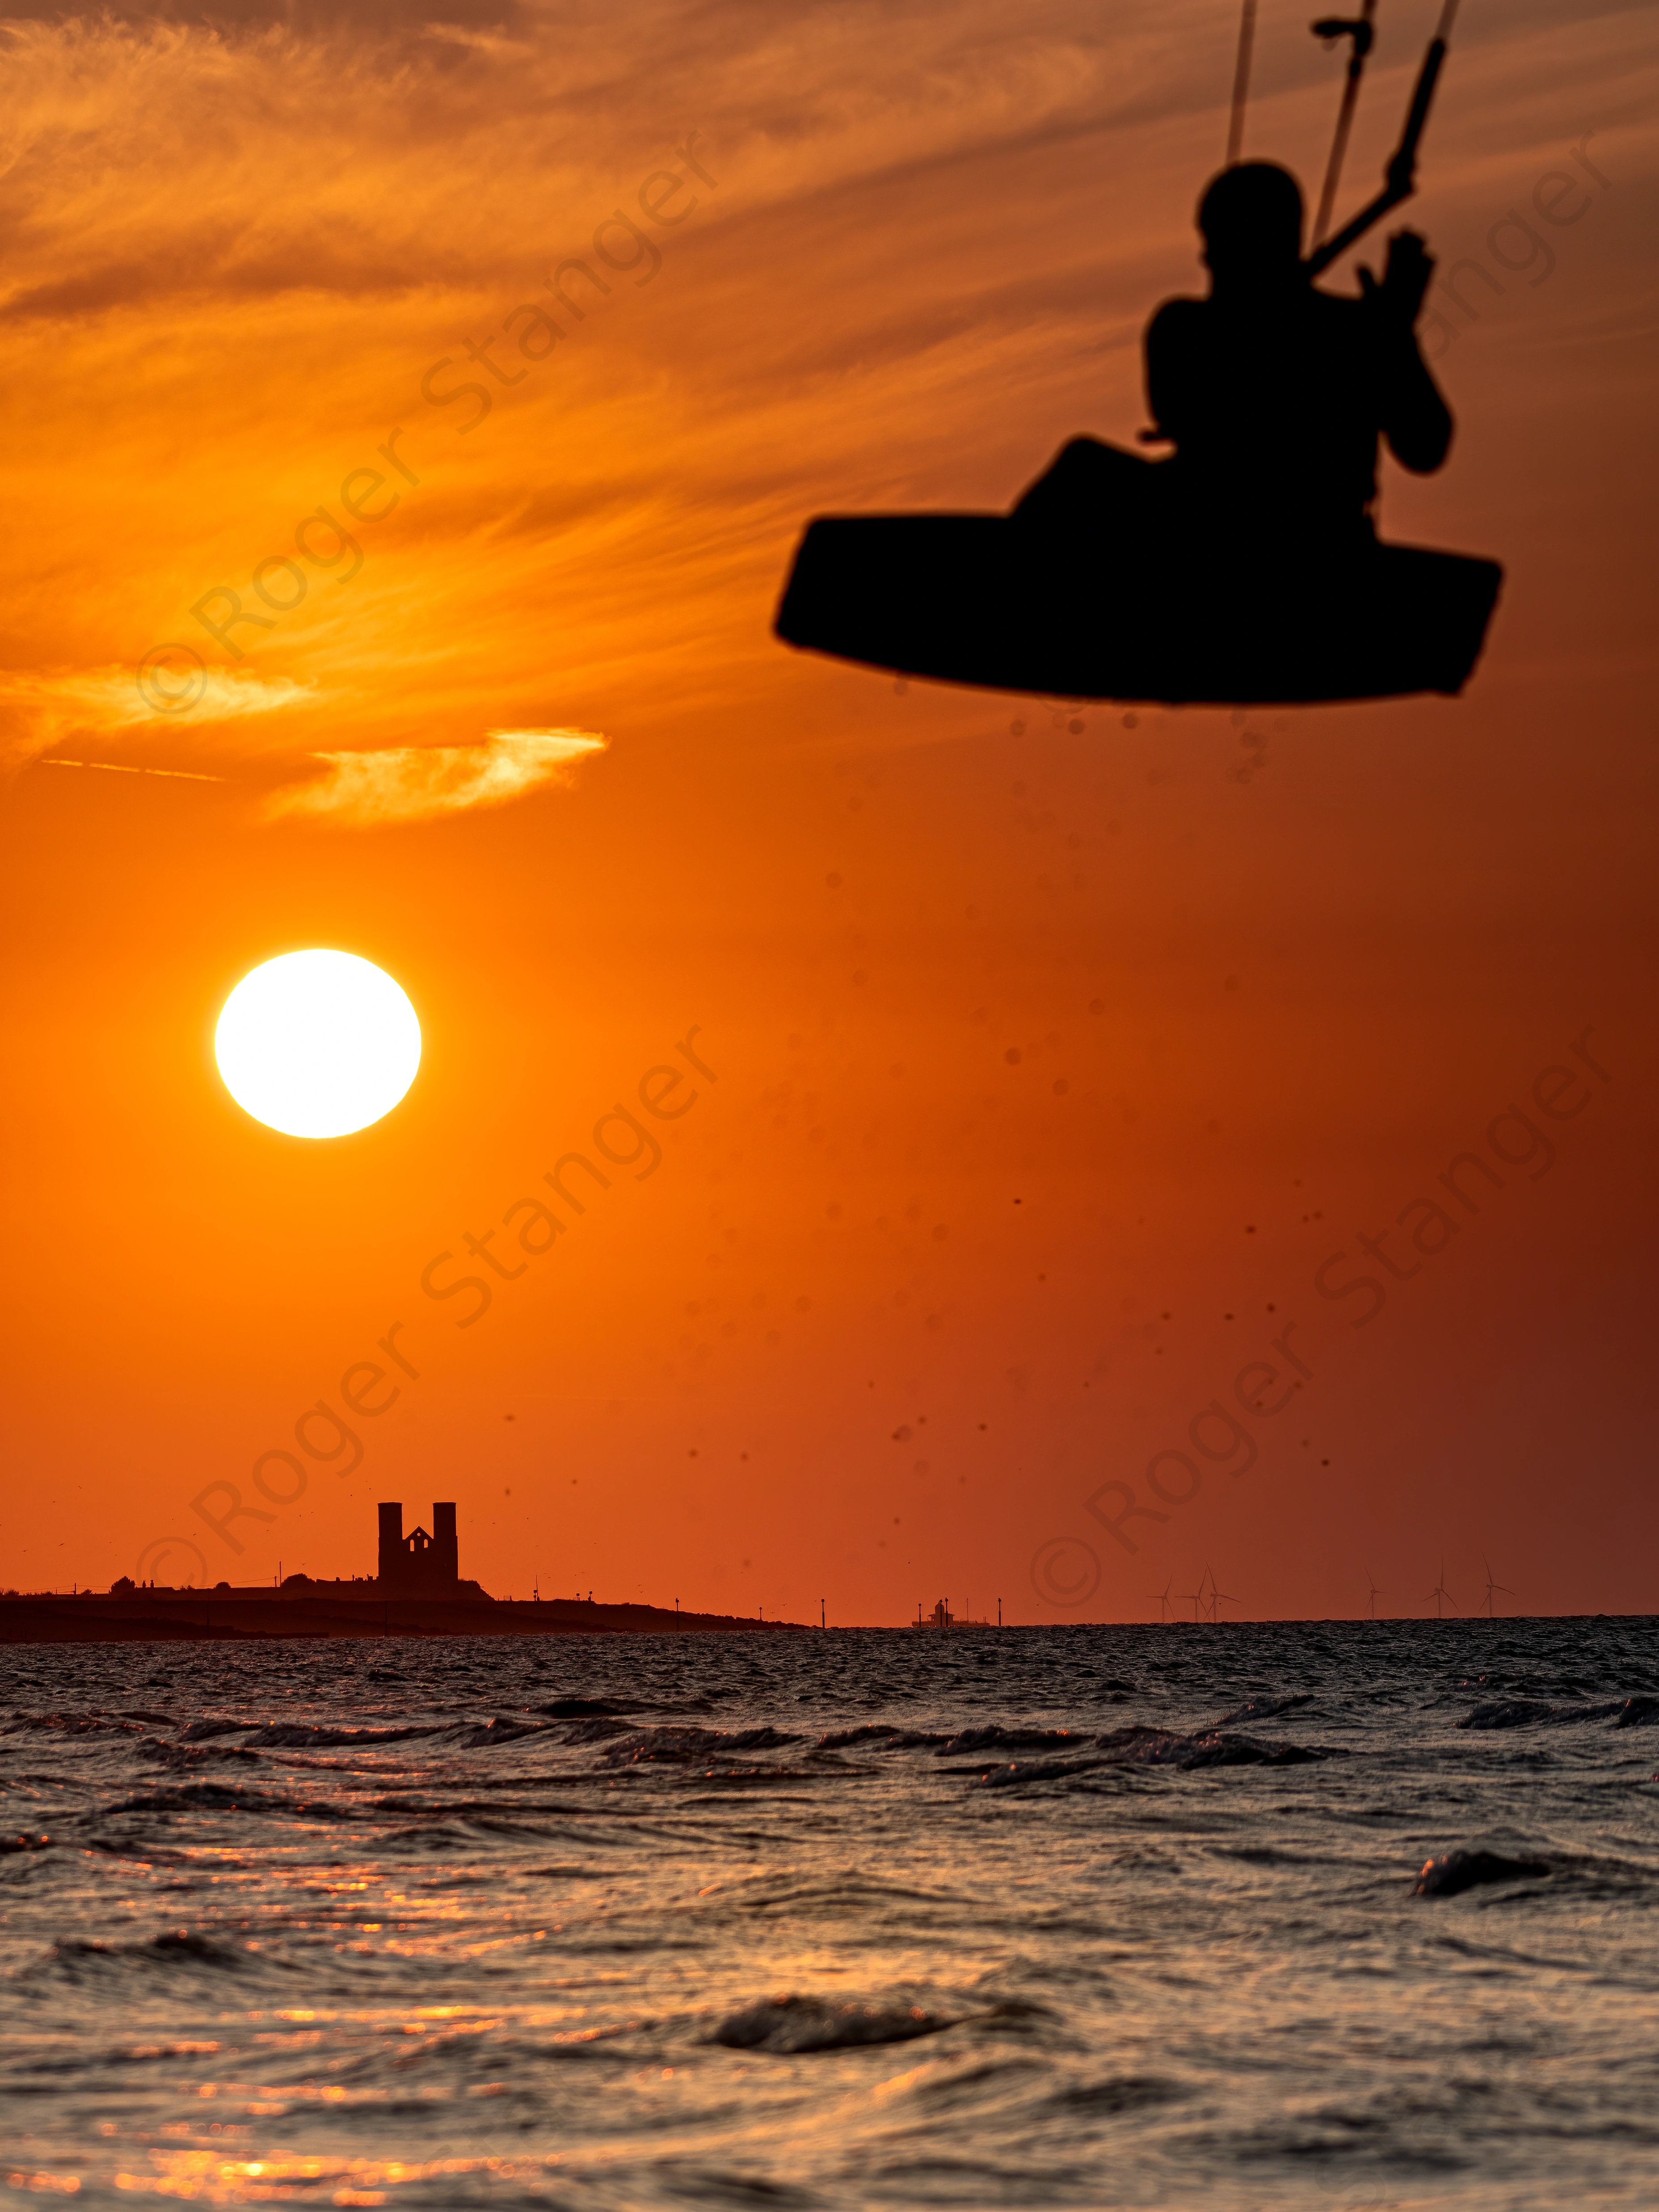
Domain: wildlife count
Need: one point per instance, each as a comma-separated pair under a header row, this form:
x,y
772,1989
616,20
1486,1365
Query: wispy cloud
x,y
420,783
41,709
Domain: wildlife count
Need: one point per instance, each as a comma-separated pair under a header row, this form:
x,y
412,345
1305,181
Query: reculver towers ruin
x,y
418,1565
417,1591
420,1570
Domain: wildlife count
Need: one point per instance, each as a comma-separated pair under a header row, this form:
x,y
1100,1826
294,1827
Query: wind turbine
x,y
1197,1596
1376,1593
1440,1591
1219,1597
1491,1585
1163,1597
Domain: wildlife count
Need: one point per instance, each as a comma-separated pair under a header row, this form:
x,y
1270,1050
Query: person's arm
x,y
1415,419
1169,365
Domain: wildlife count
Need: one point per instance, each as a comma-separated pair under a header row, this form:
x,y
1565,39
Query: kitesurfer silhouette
x,y
1245,566
1273,392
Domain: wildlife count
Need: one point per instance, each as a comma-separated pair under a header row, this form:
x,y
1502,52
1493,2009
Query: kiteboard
x,y
989,600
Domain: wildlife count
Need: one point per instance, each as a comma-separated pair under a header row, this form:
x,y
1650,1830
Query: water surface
x,y
862,1918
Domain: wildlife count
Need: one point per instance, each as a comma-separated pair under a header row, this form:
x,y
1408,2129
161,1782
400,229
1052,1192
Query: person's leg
x,y
1087,482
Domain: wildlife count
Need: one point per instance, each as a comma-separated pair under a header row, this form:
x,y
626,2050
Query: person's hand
x,y
1399,295
1410,267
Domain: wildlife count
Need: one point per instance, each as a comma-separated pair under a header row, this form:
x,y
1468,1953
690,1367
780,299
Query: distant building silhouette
x,y
418,1565
417,1591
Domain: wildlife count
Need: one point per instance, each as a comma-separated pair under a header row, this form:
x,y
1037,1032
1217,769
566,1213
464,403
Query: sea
x,y
1033,1916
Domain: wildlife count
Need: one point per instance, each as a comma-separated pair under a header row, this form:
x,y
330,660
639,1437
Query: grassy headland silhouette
x,y
418,1589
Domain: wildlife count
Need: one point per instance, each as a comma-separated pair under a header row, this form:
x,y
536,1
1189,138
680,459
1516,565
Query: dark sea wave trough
x,y
1030,1917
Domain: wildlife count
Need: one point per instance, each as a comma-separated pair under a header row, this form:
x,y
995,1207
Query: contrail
x,y
120,767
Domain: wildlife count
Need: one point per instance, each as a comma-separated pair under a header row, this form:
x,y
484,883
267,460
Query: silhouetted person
x,y
1273,393
1274,390
1244,567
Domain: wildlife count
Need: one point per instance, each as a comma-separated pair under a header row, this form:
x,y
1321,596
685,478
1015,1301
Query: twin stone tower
x,y
419,1564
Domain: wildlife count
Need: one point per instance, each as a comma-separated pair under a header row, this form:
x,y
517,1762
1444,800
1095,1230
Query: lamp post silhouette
x,y
1491,1585
1440,1591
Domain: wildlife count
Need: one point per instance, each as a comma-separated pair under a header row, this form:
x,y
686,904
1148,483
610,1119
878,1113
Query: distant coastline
x,y
418,1591
341,1609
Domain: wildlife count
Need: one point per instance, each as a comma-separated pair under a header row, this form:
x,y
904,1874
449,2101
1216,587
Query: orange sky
x,y
1052,1056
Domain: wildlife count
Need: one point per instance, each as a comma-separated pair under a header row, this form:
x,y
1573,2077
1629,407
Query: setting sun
x,y
318,1043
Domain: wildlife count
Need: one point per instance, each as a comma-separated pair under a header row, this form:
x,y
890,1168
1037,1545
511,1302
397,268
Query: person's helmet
x,y
1251,214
